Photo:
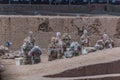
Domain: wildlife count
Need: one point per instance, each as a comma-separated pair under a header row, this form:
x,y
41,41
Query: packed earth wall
x,y
16,28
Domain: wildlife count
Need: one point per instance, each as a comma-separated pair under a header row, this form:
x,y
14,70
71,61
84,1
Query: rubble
x,y
3,50
2,68
5,53
11,55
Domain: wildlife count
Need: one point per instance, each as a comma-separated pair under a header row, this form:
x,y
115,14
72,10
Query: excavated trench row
x,y
90,70
105,63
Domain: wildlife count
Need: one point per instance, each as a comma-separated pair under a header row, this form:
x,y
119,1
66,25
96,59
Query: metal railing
x,y
59,2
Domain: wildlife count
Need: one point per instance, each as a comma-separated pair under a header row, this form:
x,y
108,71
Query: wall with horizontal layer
x,y
16,28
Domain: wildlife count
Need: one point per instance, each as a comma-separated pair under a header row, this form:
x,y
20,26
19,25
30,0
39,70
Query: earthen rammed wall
x,y
16,28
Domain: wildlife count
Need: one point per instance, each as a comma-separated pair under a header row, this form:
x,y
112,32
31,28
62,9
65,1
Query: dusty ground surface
x,y
35,72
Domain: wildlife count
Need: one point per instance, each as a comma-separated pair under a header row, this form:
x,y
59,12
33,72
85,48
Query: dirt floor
x,y
37,71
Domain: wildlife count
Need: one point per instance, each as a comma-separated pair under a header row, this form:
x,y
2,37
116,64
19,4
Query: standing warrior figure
x,y
26,47
52,54
74,50
35,53
31,38
58,35
99,45
108,42
54,49
28,44
84,40
60,42
66,38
